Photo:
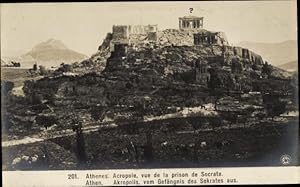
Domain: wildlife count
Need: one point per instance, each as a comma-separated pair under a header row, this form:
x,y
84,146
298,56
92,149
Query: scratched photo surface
x,y
149,85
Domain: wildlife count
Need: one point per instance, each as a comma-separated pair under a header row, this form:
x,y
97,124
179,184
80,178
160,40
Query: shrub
x,y
43,70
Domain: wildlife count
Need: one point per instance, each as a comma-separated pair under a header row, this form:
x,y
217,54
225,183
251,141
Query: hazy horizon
x,y
83,26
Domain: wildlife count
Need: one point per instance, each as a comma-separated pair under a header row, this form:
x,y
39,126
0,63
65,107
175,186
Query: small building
x,y
190,22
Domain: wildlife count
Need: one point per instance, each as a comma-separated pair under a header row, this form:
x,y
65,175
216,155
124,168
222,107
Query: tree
x,y
66,68
34,67
215,122
236,65
46,120
97,112
196,123
131,128
231,117
255,67
81,153
273,105
214,81
267,69
6,86
247,114
36,98
149,147
216,94
276,109
43,70
213,84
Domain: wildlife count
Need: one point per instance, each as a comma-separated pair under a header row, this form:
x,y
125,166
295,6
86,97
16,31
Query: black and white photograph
x,y
149,85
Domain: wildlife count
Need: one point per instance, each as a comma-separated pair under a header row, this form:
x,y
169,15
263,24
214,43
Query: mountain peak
x,y
50,44
52,52
52,40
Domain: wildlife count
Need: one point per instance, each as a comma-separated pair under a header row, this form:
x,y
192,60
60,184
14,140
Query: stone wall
x,y
120,32
218,38
141,29
255,58
247,54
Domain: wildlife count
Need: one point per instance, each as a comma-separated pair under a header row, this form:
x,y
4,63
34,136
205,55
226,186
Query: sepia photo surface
x,y
129,85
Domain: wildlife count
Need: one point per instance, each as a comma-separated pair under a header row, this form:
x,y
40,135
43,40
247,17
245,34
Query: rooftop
x,y
190,17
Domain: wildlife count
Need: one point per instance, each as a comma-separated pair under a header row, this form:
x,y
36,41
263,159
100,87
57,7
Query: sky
x,y
83,26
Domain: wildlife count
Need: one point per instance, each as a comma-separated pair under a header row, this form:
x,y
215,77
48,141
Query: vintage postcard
x,y
149,93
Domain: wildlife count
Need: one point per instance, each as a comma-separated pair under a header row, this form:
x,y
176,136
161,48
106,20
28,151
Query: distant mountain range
x,y
49,53
3,62
277,54
289,66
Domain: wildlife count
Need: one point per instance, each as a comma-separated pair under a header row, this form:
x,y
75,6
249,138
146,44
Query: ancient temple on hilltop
x,y
190,22
189,33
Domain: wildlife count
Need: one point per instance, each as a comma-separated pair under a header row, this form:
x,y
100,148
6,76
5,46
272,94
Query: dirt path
x,y
89,129
46,136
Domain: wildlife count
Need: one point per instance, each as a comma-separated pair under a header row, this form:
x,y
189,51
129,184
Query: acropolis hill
x,y
152,96
143,58
190,33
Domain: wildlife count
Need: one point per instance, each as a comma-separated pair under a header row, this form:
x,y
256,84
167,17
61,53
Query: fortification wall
x,y
250,55
120,32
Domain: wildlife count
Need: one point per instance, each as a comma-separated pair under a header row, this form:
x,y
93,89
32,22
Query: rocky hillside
x,y
150,97
154,80
52,53
275,53
150,79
